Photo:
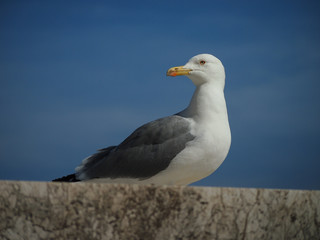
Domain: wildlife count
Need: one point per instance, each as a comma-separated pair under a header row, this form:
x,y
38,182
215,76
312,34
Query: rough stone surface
x,y
41,210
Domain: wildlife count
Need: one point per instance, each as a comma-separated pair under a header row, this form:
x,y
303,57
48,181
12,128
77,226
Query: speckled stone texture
x,y
41,210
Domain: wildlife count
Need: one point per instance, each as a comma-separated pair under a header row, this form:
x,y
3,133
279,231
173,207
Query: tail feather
x,y
68,178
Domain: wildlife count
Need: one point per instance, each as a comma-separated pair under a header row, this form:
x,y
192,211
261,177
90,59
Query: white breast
x,y
209,123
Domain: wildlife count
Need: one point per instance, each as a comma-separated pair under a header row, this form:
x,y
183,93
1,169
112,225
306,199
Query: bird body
x,y
179,149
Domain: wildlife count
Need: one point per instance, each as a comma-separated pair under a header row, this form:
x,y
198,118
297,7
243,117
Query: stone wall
x,y
42,210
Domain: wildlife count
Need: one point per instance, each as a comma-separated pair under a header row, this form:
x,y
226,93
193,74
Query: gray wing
x,y
146,152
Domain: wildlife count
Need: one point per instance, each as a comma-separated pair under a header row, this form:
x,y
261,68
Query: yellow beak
x,y
177,71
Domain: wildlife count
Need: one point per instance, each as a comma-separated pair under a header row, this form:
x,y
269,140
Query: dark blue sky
x,y
76,76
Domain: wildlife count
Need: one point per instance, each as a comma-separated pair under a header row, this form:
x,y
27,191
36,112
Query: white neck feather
x,y
207,104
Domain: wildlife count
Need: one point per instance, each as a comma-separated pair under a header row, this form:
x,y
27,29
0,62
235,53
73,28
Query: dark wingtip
x,y
68,178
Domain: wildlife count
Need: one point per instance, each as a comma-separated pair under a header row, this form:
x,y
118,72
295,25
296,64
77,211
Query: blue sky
x,y
76,76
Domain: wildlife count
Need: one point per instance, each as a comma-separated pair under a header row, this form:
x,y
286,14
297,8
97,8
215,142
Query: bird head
x,y
202,68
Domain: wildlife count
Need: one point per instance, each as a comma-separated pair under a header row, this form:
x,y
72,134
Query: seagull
x,y
176,150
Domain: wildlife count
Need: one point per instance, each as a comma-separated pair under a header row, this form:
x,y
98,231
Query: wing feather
x,y
146,152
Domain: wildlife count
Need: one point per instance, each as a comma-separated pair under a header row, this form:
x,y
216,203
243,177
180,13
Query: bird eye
x,y
202,62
